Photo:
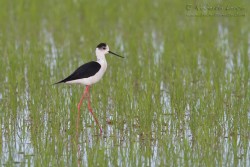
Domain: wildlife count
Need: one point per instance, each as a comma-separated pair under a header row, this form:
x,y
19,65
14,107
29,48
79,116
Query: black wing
x,y
84,71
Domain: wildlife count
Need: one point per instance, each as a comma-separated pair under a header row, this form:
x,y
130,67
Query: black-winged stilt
x,y
90,73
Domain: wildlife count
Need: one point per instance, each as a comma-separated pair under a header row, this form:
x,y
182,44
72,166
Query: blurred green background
x,y
179,98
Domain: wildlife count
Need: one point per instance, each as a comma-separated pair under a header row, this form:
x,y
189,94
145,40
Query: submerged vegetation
x,y
179,98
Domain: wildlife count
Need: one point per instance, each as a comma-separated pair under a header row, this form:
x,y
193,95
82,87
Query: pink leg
x,y
91,111
83,96
79,106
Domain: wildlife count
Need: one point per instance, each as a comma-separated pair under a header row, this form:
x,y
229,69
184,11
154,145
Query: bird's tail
x,y
62,81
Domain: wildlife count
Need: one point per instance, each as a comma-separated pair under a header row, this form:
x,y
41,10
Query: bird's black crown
x,y
101,45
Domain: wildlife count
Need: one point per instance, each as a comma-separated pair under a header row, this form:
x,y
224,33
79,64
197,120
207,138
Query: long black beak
x,y
116,54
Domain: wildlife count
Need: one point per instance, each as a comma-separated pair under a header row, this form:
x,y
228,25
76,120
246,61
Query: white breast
x,y
93,79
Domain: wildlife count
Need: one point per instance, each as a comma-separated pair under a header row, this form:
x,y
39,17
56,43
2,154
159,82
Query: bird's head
x,y
103,49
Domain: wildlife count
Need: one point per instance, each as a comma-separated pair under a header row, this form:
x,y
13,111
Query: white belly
x,y
93,79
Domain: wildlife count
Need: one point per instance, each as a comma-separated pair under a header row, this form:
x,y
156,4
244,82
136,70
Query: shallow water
x,y
179,98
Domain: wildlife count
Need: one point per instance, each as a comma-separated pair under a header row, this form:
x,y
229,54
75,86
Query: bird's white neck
x,y
100,56
101,60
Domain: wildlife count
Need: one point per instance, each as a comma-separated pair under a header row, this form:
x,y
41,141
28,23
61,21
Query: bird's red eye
x,y
104,48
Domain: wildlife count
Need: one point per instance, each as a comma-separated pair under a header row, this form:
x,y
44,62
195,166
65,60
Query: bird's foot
x,y
109,121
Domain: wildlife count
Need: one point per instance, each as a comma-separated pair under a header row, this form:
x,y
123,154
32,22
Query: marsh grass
x,y
179,98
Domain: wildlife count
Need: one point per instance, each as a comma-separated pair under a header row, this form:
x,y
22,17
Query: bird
x,y
89,74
